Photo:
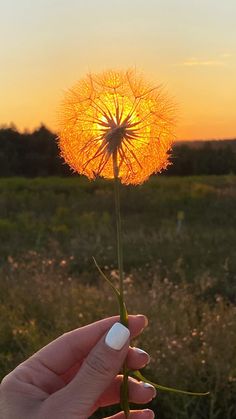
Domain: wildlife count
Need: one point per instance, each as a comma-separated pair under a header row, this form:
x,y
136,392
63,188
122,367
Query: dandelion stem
x,y
123,313
118,225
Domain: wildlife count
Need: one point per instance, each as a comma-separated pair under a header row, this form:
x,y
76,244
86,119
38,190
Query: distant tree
x,y
206,159
36,154
30,155
182,161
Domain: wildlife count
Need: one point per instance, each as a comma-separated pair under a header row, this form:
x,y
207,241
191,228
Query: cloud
x,y
226,55
221,60
192,62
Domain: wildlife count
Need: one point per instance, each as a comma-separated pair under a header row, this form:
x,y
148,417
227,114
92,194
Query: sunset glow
x,y
189,47
116,113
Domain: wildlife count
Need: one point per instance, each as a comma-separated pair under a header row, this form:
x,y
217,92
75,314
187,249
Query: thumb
x,y
102,364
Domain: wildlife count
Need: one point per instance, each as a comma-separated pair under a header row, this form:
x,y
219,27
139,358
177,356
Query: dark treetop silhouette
x,y
36,154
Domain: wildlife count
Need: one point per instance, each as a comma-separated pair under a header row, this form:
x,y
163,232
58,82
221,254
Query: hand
x,y
77,373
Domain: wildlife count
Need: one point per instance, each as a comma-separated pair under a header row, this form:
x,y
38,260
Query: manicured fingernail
x,y
147,385
149,414
117,336
145,319
142,352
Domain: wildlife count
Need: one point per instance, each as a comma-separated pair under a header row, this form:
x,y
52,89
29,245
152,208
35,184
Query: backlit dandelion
x,y
116,118
117,126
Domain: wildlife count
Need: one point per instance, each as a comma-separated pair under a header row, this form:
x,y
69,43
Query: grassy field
x,y
180,270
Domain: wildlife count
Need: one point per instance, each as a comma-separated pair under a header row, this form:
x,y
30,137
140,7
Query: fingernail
x,y
142,352
145,319
117,336
147,385
149,414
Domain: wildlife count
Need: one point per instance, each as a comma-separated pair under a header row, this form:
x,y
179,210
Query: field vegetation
x,y
180,270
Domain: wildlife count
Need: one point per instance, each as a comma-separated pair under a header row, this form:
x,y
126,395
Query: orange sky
x,y
189,46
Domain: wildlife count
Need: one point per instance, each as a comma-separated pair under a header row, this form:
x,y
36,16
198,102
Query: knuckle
x,y
98,363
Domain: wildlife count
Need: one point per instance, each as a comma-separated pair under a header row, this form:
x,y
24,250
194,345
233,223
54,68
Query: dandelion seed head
x,y
116,112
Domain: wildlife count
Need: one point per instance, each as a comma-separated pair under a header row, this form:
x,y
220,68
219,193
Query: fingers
x,y
61,354
139,392
137,358
135,414
96,374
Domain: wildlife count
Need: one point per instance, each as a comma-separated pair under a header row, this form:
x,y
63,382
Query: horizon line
x,y
13,126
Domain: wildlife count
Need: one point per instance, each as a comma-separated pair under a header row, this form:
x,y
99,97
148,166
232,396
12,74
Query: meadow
x,y
180,270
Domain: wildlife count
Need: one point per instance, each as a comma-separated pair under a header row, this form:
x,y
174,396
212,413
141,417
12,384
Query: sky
x,y
189,46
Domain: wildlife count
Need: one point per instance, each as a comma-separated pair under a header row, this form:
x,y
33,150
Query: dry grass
x,y
192,342
183,280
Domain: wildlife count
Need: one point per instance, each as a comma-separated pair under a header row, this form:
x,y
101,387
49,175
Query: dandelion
x,y
116,122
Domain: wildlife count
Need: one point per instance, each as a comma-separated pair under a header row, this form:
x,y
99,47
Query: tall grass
x,y
182,279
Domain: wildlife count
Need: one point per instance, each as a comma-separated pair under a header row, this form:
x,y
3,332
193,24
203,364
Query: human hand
x,y
77,373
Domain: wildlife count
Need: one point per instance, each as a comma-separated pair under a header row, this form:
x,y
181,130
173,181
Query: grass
x,y
180,273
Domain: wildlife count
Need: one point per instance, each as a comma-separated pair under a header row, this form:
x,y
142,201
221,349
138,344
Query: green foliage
x,y
74,217
6,228
179,270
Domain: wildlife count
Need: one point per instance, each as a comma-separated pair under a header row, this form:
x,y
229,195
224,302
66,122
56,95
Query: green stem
x,y
123,312
118,226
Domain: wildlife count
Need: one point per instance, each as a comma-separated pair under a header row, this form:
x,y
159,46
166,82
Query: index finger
x,y
61,354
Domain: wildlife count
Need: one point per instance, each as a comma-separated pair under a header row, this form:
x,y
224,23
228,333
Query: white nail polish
x,y
148,412
117,336
140,351
147,385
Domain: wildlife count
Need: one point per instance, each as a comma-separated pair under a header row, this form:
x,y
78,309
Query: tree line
x,y
37,154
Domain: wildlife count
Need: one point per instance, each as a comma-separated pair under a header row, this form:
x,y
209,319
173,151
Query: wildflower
x,y
116,115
